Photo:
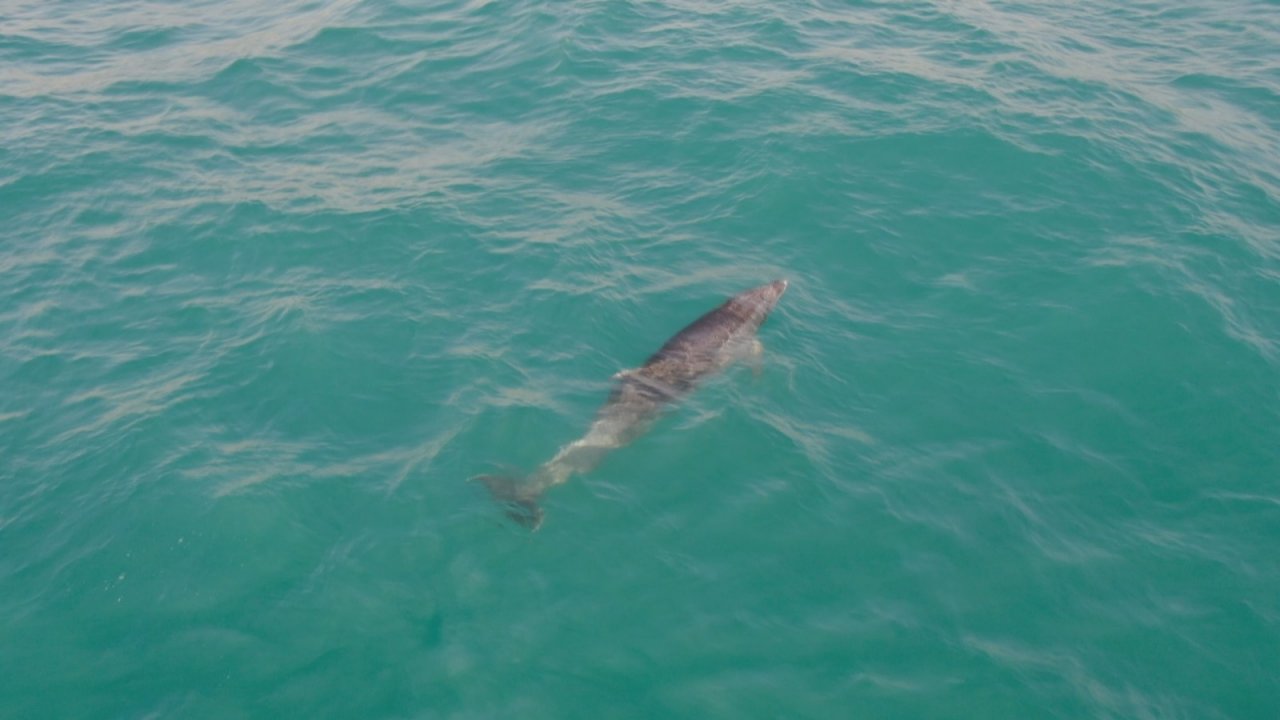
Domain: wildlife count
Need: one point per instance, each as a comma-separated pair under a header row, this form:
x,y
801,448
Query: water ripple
x,y
278,278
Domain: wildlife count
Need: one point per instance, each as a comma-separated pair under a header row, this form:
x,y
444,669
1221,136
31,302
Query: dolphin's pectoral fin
x,y
755,357
520,505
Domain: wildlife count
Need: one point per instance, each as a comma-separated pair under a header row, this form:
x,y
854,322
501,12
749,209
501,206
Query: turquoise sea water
x,y
277,278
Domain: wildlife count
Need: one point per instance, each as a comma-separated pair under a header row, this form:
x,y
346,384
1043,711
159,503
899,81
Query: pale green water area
x,y
277,278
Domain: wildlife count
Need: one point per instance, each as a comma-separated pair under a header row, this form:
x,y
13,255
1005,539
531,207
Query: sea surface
x,y
278,278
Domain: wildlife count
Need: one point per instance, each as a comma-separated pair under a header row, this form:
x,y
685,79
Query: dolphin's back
x,y
704,335
700,348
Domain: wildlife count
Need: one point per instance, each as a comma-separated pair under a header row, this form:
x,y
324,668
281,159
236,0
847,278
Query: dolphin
x,y
705,347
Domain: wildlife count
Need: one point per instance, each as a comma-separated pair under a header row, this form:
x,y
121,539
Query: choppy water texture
x,y
277,278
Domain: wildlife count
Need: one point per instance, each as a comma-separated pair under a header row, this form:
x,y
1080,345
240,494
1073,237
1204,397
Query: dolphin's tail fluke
x,y
521,505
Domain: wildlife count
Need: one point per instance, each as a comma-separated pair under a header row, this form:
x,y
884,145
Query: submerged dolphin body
x,y
705,347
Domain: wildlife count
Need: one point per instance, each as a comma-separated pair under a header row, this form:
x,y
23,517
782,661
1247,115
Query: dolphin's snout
x,y
766,296
773,291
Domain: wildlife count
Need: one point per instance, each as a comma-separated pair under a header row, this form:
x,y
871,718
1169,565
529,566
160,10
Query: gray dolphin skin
x,y
708,345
